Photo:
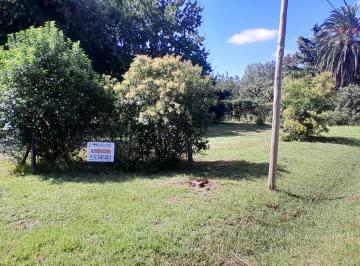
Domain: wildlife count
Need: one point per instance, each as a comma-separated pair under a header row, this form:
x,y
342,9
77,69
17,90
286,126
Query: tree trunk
x,y
189,153
26,155
33,156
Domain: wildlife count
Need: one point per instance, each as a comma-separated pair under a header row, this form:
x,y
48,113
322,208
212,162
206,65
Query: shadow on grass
x,y
231,169
353,142
90,173
235,129
310,198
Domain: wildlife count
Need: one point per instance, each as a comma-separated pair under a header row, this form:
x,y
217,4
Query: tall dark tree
x,y
307,49
112,32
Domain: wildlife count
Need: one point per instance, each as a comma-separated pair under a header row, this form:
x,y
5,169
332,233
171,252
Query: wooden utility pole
x,y
277,97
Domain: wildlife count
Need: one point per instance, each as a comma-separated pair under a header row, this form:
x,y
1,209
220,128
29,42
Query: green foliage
x,y
16,15
335,46
307,50
226,86
49,92
163,106
238,109
248,97
262,113
218,110
294,67
241,110
347,106
305,102
111,32
257,82
338,47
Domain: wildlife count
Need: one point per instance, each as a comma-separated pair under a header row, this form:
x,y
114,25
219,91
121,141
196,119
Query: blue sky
x,y
240,32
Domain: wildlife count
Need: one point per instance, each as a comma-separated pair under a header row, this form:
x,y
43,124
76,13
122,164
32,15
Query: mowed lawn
x,y
109,218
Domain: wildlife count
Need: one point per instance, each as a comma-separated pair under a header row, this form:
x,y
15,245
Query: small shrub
x,y
163,107
347,106
305,104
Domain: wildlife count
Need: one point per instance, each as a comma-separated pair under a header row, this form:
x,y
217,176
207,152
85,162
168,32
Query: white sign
x,y
100,152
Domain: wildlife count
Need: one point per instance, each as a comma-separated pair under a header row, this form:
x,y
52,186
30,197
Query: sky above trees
x,y
240,32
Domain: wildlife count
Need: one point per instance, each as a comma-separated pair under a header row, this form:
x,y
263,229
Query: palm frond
x,y
338,45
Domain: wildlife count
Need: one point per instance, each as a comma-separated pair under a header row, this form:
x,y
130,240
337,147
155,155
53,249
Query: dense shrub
x,y
347,106
305,105
262,113
49,93
239,110
218,111
163,106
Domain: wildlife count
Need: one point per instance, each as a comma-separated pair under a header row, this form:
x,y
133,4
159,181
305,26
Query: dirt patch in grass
x,y
354,197
194,183
3,157
26,223
172,200
354,240
242,221
272,206
40,259
238,261
201,183
290,215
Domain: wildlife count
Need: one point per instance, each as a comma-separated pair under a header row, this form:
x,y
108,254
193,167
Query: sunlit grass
x,y
124,219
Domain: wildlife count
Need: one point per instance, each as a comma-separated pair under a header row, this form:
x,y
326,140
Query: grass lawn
x,y
125,219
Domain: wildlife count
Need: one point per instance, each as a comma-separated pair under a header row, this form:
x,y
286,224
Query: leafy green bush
x,y
239,109
49,93
305,102
242,110
218,111
163,104
347,106
257,82
262,113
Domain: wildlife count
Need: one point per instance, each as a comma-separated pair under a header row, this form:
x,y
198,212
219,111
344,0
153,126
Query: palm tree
x,y
337,44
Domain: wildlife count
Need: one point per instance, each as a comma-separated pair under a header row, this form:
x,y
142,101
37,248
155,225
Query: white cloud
x,y
253,35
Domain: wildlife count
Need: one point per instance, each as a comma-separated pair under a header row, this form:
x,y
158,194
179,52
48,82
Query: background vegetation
x,y
334,48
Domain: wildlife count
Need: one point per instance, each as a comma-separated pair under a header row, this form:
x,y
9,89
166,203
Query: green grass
x,y
125,219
